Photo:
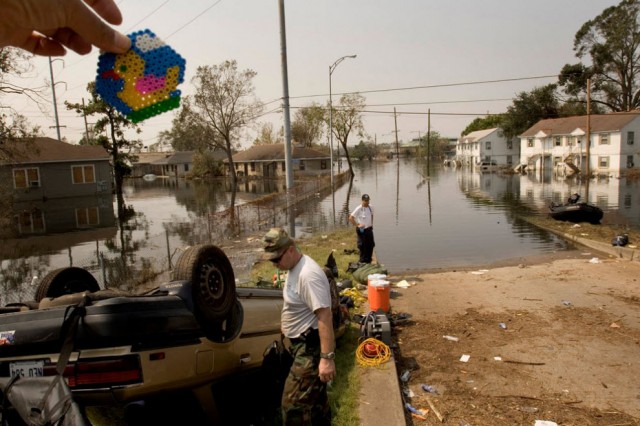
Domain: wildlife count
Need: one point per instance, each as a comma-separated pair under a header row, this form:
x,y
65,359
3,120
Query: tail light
x,y
101,372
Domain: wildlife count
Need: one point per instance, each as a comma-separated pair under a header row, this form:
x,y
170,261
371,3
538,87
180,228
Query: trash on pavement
x,y
594,260
465,358
503,326
405,376
497,358
452,338
545,423
566,303
403,284
428,388
614,325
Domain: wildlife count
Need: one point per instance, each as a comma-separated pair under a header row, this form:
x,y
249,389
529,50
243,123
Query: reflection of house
x,y
46,168
268,161
176,164
63,215
560,143
487,145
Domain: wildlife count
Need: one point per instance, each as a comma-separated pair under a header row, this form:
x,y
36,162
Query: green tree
x,y
528,108
307,125
205,164
111,127
483,123
188,132
347,118
223,106
268,136
611,41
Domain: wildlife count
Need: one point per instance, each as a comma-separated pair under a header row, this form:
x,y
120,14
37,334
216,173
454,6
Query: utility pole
x,y
395,121
55,102
86,125
428,139
588,141
285,99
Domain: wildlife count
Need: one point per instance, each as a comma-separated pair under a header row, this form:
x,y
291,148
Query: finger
x,y
107,9
72,40
43,46
94,30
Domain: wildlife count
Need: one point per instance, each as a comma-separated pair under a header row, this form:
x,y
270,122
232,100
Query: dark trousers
x,y
365,244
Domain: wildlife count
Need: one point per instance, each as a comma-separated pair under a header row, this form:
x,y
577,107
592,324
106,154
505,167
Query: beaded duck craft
x,y
142,82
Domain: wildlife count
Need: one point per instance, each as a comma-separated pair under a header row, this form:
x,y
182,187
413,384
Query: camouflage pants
x,y
304,400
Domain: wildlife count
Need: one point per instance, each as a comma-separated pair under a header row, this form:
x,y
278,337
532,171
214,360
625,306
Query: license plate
x,y
27,368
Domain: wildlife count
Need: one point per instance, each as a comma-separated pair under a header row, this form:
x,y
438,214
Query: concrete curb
x,y
380,401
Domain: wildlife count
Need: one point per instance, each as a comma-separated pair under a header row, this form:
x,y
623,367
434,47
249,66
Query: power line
x,y
189,22
433,86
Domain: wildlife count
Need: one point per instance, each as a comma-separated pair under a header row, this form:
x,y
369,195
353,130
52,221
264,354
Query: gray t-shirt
x,y
306,290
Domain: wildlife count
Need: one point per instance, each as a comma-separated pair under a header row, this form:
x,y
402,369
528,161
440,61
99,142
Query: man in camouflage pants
x,y
307,322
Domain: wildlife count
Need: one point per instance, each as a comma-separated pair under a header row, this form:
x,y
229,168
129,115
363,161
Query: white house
x,y
559,144
488,145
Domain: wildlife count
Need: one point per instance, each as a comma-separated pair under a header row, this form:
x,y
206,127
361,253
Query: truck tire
x,y
213,286
66,281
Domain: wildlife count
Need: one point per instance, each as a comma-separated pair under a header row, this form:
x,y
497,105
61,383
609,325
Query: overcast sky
x,y
448,56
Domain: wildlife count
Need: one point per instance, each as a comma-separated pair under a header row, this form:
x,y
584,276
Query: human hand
x,y
327,370
49,27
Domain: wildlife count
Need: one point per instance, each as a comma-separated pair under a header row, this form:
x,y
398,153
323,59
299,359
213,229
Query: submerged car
x,y
183,335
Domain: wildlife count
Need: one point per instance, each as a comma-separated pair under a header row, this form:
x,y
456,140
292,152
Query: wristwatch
x,y
330,355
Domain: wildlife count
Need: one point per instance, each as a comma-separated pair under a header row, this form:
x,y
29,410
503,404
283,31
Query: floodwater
x,y
443,217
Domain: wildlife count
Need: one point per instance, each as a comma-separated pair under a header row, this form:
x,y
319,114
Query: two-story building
x,y
560,144
45,168
57,187
489,145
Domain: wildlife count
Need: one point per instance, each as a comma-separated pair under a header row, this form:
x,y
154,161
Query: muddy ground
x,y
566,328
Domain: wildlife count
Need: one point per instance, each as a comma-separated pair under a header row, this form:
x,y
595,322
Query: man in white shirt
x,y
362,218
308,323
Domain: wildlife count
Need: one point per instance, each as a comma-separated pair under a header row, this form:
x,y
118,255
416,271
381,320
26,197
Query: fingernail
x,y
122,42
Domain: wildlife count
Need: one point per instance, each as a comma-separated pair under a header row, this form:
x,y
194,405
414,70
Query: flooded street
x,y
439,218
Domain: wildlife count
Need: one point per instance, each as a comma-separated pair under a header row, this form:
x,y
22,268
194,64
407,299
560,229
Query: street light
x,y
331,69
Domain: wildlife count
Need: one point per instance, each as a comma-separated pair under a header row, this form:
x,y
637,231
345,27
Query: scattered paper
x,y
403,284
545,423
566,303
632,246
594,260
480,272
497,358
465,358
452,338
576,226
614,325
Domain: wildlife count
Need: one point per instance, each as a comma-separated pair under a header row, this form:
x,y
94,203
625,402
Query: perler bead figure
x,y
142,82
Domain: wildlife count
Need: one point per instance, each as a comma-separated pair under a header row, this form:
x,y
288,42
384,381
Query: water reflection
x,y
426,217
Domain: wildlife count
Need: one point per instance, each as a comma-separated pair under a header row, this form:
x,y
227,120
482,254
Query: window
x,y
284,166
323,164
83,174
509,144
487,145
571,140
530,143
629,161
301,164
186,167
86,217
30,222
604,139
26,178
630,137
557,141
557,160
253,167
509,160
603,162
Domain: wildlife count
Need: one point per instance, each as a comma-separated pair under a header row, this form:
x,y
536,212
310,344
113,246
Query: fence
x,y
130,262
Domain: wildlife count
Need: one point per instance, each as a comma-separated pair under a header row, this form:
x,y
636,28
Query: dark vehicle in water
x,y
575,211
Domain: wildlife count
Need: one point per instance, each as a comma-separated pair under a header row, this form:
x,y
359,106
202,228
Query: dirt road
x,y
566,329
